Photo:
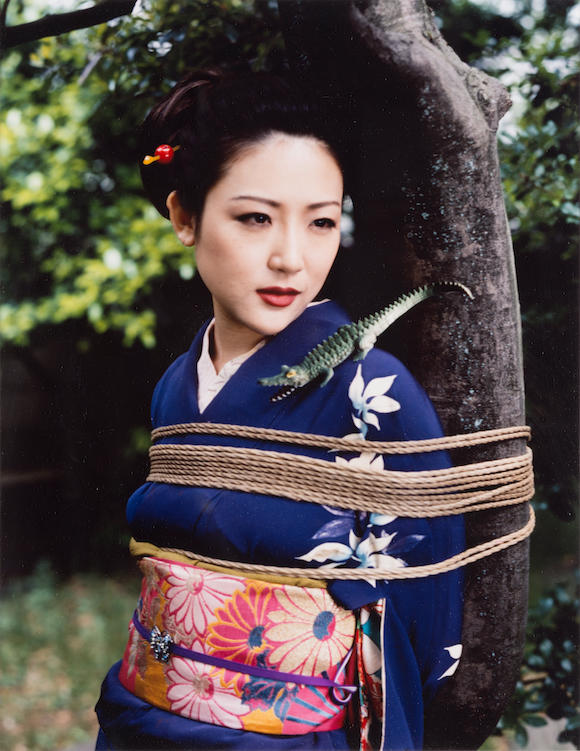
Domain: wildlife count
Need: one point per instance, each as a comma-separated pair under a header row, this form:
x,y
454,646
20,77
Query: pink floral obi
x,y
275,632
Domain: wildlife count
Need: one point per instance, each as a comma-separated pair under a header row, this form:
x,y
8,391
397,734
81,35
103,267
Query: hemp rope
x,y
342,444
501,482
429,493
354,574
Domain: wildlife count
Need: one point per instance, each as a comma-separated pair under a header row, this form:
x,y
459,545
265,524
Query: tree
x,y
56,24
436,207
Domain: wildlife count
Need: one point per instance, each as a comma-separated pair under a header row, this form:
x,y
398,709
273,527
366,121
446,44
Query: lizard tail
x,y
381,320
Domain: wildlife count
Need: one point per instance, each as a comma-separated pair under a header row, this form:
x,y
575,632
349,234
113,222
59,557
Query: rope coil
x,y
342,444
441,492
418,494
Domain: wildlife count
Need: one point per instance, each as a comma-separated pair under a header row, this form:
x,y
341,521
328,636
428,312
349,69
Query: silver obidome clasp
x,y
161,644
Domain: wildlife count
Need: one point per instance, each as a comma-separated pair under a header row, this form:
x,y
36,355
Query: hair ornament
x,y
163,154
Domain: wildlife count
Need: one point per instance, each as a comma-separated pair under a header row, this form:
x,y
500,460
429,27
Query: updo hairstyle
x,y
211,115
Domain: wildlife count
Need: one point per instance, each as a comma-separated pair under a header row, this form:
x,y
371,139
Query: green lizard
x,y
354,339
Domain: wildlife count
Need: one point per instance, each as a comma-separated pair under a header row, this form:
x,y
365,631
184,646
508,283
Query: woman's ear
x,y
183,222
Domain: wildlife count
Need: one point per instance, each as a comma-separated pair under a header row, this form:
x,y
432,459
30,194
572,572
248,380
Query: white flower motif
x,y
193,596
368,552
366,460
369,399
455,653
198,691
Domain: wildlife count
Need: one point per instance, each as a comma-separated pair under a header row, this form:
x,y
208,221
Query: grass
x,y
57,641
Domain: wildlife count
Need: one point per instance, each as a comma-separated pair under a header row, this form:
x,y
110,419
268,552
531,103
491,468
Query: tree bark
x,y
429,206
61,23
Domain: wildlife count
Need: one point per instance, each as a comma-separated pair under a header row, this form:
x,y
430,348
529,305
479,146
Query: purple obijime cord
x,y
169,647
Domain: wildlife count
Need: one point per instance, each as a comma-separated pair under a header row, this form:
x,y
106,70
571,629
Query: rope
x,y
344,574
457,490
342,444
421,494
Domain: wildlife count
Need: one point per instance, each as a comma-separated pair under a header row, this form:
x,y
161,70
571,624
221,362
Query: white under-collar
x,y
209,382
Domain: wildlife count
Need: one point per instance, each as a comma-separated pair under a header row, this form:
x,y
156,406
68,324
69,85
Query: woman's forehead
x,y
282,164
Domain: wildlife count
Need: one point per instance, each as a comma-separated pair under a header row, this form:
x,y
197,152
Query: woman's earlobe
x,y
183,221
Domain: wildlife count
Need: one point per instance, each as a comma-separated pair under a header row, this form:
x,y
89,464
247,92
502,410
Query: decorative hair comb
x,y
163,154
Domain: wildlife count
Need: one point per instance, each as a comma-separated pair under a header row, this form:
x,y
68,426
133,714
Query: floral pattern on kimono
x,y
409,632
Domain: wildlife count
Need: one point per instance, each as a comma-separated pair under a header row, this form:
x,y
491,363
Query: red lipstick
x,y
280,297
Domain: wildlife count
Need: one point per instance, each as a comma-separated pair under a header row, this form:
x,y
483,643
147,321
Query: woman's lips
x,y
280,297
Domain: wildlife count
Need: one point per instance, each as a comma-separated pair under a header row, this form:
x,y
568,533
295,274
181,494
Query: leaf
x,y
567,665
521,735
327,551
378,386
353,539
261,693
573,723
404,544
384,404
455,651
384,562
535,721
334,528
355,389
371,419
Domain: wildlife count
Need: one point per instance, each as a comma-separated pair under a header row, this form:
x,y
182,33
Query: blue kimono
x,y
417,628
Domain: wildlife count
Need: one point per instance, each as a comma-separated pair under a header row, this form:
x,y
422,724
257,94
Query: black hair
x,y
211,115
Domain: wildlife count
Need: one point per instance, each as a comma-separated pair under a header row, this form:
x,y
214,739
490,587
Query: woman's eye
x,y
324,222
253,218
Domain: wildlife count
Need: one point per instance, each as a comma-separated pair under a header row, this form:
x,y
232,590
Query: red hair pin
x,y
163,154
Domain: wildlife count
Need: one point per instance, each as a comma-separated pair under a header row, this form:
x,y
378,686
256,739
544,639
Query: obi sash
x,y
261,638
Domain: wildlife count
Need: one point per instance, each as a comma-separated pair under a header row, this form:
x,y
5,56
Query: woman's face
x,y
269,235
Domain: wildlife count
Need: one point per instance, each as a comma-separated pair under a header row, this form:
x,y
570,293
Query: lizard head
x,y
289,378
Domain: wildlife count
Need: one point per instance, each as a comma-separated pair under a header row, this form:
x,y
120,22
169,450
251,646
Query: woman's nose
x,y
287,253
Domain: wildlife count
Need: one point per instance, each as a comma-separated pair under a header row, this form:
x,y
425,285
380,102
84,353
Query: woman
x,y
250,174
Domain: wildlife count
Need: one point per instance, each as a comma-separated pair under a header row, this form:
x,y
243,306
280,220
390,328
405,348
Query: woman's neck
x,y
226,343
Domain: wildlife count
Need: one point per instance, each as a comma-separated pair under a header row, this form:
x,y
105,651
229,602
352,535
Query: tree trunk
x,y
429,206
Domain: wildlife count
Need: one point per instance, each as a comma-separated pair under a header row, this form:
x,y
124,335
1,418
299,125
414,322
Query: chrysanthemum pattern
x,y
198,692
310,635
280,628
192,597
238,631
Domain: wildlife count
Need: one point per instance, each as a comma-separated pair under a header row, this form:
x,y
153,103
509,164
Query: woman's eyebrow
x,y
267,201
276,204
321,204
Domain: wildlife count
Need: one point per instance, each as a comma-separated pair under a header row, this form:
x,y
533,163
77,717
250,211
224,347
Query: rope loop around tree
x,y
420,494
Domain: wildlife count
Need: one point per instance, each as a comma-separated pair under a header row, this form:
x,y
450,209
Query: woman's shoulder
x,y
175,390
386,403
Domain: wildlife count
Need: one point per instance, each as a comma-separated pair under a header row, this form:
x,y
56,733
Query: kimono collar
x,y
209,382
242,401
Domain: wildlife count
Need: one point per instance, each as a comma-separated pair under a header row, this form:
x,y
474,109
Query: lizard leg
x,y
328,373
364,346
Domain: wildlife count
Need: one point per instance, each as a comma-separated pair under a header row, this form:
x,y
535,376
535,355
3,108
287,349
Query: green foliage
x,y
541,179
548,685
80,240
56,643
